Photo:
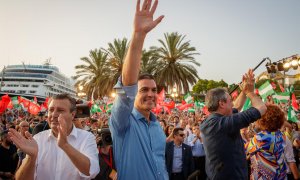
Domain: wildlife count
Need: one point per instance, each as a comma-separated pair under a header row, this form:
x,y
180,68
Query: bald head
x,y
24,126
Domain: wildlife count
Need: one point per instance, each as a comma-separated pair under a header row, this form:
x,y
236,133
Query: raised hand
x,y
28,146
62,132
143,20
247,85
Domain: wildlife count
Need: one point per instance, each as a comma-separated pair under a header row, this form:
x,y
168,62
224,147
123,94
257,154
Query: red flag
x,y
24,101
185,106
183,102
34,108
161,96
35,99
205,111
294,102
157,109
45,103
90,103
169,105
281,88
273,85
256,91
5,100
10,105
234,94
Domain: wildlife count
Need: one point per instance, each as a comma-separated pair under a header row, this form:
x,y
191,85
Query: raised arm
x,y
247,88
143,23
28,146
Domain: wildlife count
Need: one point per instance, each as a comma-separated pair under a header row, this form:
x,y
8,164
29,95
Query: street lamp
x,y
113,94
284,65
80,93
174,93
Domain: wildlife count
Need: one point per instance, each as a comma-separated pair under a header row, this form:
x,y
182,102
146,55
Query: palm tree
x,y
176,62
116,54
95,74
149,62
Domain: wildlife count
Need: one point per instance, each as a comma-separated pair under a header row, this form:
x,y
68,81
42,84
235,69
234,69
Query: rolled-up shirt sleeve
x,y
122,107
91,151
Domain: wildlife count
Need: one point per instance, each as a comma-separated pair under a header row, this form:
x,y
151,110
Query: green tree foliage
x,y
171,63
94,75
203,85
176,62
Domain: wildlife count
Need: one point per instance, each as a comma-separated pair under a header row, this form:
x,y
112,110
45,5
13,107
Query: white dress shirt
x,y
54,164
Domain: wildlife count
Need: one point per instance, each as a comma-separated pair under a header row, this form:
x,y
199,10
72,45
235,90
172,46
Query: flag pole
x,y
264,59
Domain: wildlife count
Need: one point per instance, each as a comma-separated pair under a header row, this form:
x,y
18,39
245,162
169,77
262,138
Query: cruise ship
x,y
35,80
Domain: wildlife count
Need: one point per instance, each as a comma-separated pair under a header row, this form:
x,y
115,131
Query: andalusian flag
x,y
15,101
247,104
109,105
265,90
188,98
199,104
282,97
292,115
95,108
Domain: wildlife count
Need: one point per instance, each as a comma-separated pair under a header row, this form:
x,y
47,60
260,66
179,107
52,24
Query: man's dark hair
x,y
213,97
145,76
176,130
68,97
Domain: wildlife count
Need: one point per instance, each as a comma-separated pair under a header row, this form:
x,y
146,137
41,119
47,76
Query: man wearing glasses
x,y
179,157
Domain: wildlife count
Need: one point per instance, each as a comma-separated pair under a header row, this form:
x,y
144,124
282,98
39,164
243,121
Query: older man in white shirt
x,y
62,152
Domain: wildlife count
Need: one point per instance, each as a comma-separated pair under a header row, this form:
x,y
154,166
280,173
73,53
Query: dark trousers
x,y
200,165
177,176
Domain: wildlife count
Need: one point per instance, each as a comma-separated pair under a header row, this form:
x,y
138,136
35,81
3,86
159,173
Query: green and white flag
x,y
188,98
15,101
290,89
292,115
247,104
95,108
265,90
283,97
109,105
199,104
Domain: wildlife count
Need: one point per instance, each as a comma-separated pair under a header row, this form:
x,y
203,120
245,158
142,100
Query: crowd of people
x,y
133,143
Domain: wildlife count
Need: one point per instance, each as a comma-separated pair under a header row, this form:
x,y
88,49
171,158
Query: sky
x,y
230,35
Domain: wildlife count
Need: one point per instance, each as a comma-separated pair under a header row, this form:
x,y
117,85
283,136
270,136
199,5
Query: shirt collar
x,y
73,133
139,116
176,145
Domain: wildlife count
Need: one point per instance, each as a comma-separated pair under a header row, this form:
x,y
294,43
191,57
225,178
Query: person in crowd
x,y
223,145
85,126
24,126
106,160
187,131
8,157
62,152
169,132
138,139
195,141
163,124
42,125
78,122
292,170
179,157
266,148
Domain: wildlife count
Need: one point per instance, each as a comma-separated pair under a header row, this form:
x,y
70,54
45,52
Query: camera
x,y
105,135
82,111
